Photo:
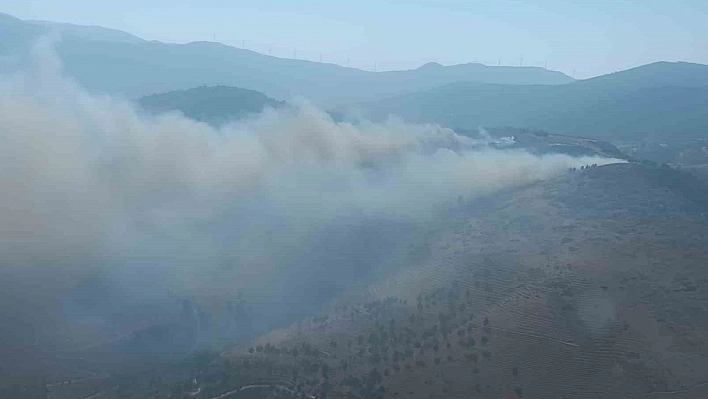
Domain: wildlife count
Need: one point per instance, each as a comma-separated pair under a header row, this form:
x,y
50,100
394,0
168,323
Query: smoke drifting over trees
x,y
164,206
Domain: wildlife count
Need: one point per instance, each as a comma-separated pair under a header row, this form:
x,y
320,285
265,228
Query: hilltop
x,y
215,105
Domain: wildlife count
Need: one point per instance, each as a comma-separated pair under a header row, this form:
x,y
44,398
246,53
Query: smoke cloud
x,y
107,215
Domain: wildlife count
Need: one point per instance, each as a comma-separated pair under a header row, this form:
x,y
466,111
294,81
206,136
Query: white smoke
x,y
167,203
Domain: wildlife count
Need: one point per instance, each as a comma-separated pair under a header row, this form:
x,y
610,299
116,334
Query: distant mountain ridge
x,y
666,100
89,32
660,101
132,67
657,74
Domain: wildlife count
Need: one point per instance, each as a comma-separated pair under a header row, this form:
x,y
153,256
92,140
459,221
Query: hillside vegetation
x,y
584,285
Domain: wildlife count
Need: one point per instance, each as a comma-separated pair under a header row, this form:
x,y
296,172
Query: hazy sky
x,y
588,37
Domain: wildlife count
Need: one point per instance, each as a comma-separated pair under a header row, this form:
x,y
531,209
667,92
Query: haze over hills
x,y
665,101
108,61
164,225
222,104
309,252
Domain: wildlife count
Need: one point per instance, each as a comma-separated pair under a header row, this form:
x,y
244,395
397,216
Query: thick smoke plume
x,y
107,215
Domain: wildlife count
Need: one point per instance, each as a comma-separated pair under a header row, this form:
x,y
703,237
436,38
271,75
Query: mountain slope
x,y
135,68
590,284
16,34
619,106
567,288
658,74
214,105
